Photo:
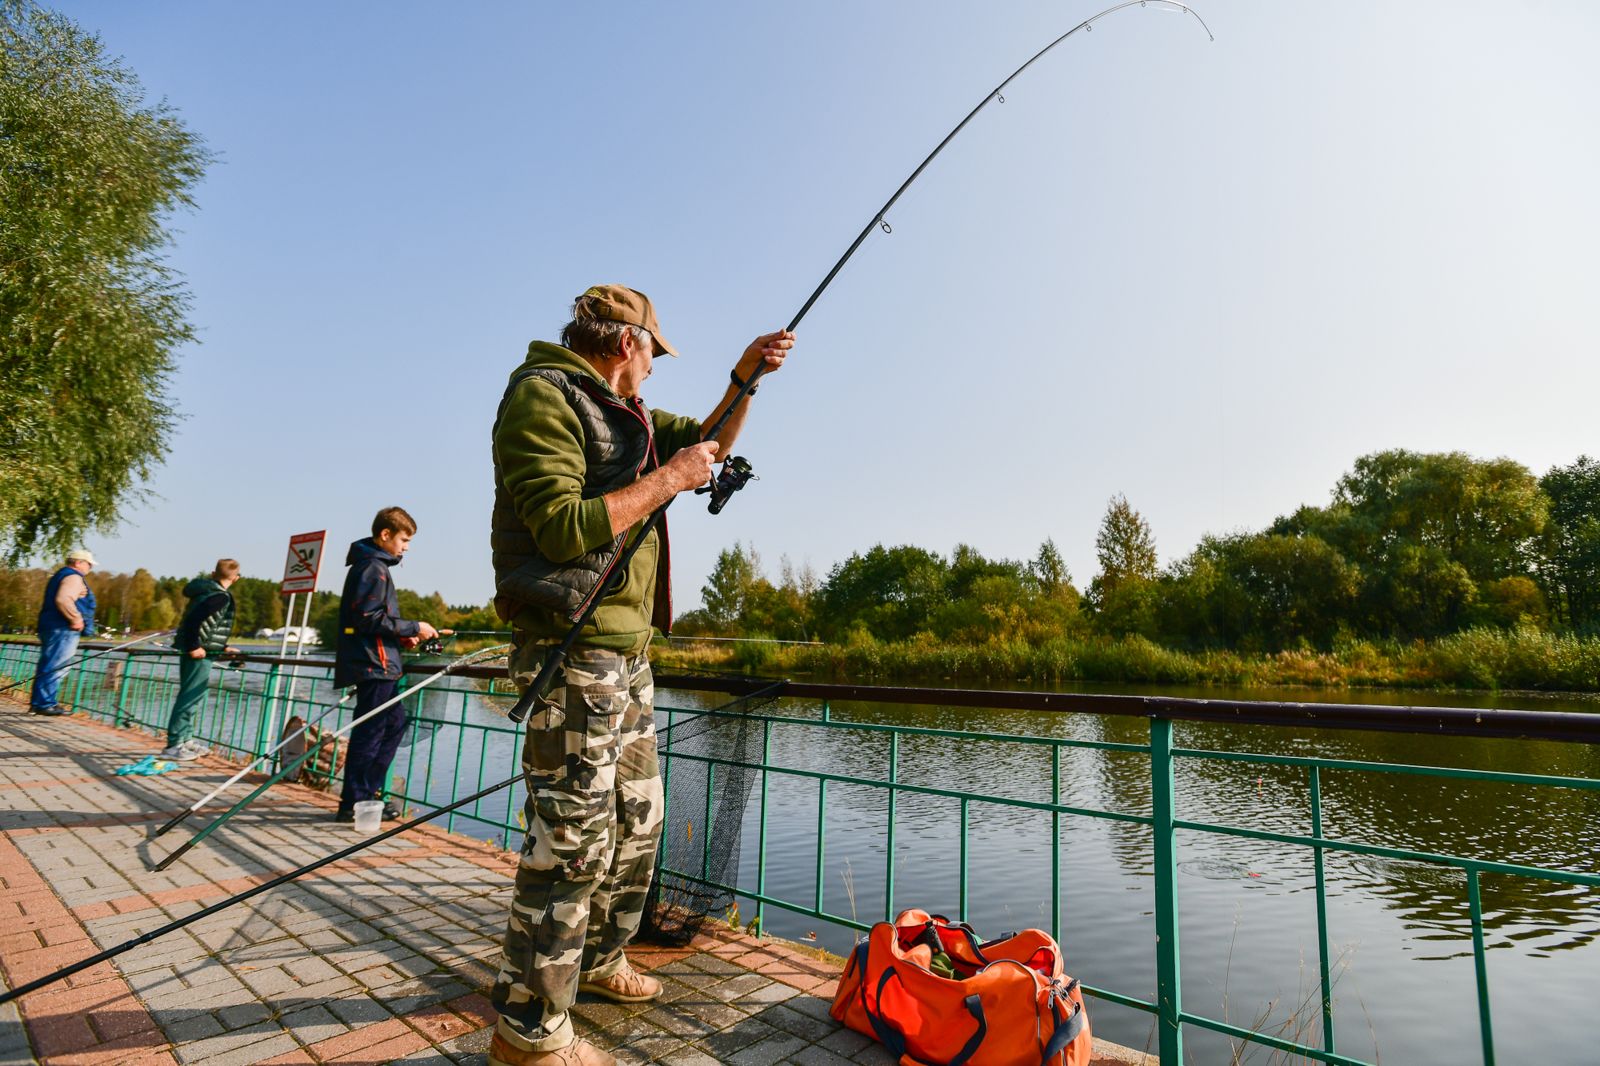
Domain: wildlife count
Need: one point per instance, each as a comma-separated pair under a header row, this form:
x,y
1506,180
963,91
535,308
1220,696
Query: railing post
x,y
122,692
269,693
1322,913
761,835
894,779
1169,987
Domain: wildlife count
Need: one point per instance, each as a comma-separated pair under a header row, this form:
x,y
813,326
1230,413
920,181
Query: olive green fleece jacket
x,y
539,452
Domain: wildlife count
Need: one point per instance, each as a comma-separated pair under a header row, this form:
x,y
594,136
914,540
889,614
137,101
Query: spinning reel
x,y
735,474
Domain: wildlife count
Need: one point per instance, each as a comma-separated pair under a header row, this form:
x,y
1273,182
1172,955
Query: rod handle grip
x,y
541,684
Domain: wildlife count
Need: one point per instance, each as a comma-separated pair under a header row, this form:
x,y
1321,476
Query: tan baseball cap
x,y
618,303
81,556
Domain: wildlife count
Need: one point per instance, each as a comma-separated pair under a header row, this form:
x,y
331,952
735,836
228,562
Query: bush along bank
x,y
1476,659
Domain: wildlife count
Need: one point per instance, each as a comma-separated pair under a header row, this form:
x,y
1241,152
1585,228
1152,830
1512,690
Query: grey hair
x,y
597,337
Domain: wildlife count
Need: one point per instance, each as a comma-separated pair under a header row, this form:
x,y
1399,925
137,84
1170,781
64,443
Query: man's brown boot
x,y
578,1053
627,985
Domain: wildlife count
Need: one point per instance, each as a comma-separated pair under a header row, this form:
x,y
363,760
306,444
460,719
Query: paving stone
x,y
226,1042
736,1038
774,1049
808,1028
816,1055
357,1011
313,1024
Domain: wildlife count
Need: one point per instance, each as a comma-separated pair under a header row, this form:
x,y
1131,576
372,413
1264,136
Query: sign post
x,y
299,575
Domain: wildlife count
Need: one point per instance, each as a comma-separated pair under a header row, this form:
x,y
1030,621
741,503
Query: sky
x,y
1207,275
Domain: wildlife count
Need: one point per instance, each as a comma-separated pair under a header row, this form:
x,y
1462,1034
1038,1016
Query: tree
x,y
89,313
1049,570
728,587
891,592
1125,547
1123,593
1569,565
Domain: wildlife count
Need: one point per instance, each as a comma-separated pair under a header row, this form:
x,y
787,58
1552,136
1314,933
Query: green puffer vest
x,y
212,633
618,449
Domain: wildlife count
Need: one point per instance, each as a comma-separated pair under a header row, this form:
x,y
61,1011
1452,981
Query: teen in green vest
x,y
202,636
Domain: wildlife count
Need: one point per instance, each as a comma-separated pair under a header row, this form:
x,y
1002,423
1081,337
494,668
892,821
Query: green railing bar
x,y
122,693
919,731
1055,844
761,831
483,749
1117,997
926,790
1322,913
1391,768
822,828
666,781
888,873
1480,967
456,772
1254,1037
1483,865
1169,980
961,907
705,828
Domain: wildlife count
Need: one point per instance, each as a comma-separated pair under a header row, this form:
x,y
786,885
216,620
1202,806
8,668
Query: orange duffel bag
x,y
1009,1003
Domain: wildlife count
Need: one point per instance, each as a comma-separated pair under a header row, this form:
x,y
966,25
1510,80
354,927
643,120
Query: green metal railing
x,y
140,692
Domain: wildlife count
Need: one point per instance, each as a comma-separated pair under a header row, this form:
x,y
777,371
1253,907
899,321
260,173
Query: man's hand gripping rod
x,y
558,654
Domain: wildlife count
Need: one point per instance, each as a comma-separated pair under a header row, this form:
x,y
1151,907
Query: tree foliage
x,y
1124,546
1569,570
89,313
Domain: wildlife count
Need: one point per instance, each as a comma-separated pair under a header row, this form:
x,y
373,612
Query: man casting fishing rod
x,y
580,463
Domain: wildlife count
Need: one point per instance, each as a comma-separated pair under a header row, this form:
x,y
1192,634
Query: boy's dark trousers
x,y
372,743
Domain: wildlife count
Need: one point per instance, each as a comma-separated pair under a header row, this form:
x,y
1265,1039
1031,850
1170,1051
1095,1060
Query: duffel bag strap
x,y
975,1007
894,1040
1067,1026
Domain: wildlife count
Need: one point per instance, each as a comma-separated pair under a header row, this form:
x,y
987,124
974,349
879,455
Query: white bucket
x,y
369,816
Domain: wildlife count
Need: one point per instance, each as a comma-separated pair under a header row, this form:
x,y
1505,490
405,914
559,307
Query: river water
x,y
1399,932
1404,989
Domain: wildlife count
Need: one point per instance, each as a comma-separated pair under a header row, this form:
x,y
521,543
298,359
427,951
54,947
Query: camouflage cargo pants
x,y
594,815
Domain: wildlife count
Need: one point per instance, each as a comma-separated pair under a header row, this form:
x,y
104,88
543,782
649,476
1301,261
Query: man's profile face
x,y
639,353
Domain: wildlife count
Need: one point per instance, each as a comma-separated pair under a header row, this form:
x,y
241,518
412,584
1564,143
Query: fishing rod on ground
x,y
285,878
85,658
465,660
736,471
236,778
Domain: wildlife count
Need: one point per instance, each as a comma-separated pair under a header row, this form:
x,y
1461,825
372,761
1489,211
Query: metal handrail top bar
x,y
1437,721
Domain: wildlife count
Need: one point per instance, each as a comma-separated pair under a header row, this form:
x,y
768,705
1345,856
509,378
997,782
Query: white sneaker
x,y
174,752
190,750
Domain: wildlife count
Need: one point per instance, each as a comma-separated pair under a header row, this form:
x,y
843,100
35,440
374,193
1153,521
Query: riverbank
x,y
1475,659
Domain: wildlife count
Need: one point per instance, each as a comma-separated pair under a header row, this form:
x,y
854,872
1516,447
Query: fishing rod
x,y
104,651
285,878
288,768
736,471
230,782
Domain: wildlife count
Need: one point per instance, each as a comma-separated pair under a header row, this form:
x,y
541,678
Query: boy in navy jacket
x,y
371,636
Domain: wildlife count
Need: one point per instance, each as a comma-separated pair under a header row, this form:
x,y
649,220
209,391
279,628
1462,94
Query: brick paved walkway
x,y
385,957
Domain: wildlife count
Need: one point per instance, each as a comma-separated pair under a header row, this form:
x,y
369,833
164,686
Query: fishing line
x,y
719,491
